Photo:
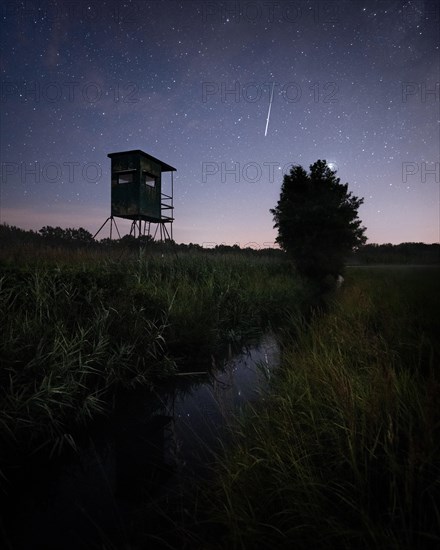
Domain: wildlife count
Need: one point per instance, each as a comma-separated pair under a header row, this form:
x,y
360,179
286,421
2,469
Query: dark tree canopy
x,y
317,220
70,234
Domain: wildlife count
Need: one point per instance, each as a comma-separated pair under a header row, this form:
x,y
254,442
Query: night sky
x,y
190,82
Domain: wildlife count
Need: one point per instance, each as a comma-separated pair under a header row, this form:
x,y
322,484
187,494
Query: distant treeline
x,y
12,237
404,253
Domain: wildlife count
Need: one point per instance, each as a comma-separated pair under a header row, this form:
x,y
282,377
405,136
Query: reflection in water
x,y
135,462
201,416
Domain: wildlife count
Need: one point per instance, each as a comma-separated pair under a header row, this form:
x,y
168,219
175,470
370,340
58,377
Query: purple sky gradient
x,y
355,82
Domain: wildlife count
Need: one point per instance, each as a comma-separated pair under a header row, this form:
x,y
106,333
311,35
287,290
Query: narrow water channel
x,y
138,460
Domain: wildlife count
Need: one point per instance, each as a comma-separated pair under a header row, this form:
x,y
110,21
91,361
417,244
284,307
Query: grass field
x,y
343,450
75,327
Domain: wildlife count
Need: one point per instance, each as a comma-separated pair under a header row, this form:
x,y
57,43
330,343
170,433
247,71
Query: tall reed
x,y
343,451
72,331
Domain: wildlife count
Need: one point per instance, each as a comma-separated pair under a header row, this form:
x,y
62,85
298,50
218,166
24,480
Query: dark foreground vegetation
x,y
343,450
77,323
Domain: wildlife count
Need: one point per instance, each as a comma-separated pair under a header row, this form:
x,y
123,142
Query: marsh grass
x,y
343,450
72,331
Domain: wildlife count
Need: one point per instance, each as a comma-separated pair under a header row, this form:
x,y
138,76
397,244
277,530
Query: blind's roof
x,y
163,165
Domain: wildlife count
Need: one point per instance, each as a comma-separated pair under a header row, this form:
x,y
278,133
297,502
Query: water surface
x,y
136,461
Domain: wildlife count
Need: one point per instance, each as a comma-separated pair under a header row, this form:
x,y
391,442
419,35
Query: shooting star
x,y
270,107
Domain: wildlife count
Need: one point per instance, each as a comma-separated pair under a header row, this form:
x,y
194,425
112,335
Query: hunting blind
x,y
136,193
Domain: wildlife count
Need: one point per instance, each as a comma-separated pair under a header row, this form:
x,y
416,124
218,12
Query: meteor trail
x,y
270,106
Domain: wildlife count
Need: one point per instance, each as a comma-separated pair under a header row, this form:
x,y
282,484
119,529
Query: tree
x,y
69,235
317,220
